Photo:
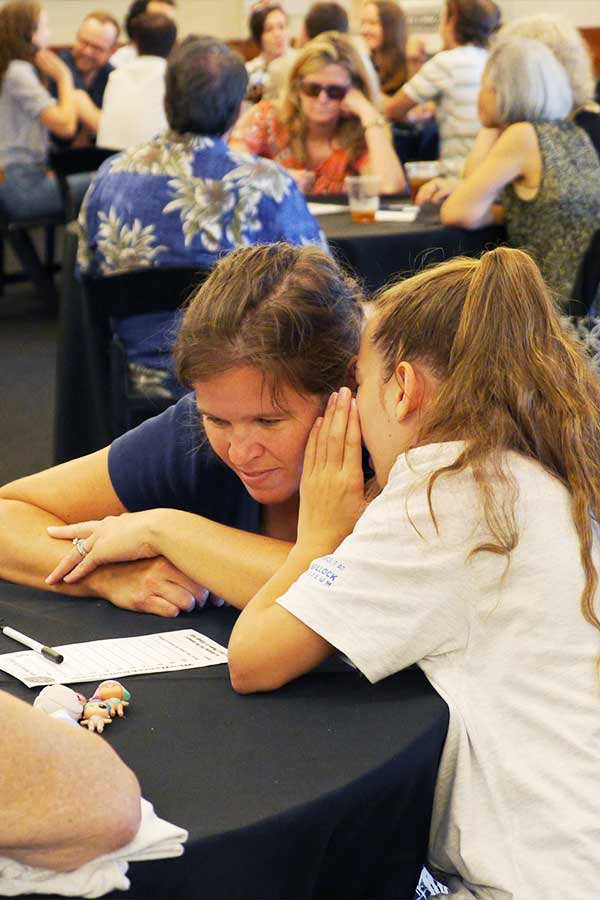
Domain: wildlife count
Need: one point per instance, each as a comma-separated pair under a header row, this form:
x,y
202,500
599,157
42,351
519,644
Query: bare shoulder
x,y
519,136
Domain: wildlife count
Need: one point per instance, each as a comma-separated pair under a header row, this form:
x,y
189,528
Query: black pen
x,y
48,652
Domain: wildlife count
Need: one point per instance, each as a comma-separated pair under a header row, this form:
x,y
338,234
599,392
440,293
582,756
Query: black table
x,y
321,789
378,252
375,252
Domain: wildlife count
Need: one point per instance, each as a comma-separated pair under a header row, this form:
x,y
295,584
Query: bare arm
x,y
87,112
398,105
231,563
60,119
382,156
65,795
514,156
485,140
68,493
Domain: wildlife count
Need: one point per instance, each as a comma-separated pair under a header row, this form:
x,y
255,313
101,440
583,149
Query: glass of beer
x,y
363,196
418,173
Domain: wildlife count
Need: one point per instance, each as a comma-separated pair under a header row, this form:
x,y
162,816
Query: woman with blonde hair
x,y
327,125
478,561
541,175
28,112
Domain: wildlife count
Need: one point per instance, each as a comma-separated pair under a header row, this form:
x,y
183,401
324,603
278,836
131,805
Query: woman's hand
x,y
356,104
114,539
51,65
332,490
152,586
436,190
303,178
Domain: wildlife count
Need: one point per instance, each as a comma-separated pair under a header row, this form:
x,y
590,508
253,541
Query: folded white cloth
x,y
156,839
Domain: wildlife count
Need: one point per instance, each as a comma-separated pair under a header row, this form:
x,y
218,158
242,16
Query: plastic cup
x,y
419,173
363,196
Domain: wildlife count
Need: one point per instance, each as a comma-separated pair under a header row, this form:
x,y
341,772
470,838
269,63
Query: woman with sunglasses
x,y
327,125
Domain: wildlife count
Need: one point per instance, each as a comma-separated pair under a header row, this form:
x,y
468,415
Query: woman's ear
x,y
409,390
351,374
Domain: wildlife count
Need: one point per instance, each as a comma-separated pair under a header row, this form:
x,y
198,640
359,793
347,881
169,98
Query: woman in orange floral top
x,y
326,125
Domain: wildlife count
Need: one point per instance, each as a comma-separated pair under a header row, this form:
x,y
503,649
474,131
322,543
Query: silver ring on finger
x,y
79,545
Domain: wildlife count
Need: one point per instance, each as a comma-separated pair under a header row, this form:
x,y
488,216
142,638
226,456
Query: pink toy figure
x,y
115,695
95,716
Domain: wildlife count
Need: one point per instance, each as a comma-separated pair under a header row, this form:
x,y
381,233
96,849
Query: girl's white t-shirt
x,y
517,804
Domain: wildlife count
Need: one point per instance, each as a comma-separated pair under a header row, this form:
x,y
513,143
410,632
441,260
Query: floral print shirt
x,y
182,199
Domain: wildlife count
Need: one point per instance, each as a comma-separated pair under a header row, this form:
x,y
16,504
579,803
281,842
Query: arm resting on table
x,y
269,646
65,795
231,563
472,204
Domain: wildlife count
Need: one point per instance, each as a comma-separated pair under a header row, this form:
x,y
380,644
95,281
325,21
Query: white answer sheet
x,y
116,657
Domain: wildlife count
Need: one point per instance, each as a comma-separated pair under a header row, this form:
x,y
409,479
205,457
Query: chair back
x,y
587,284
75,169
134,293
74,161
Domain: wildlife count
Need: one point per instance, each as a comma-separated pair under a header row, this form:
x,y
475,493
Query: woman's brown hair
x,y
18,22
390,59
475,21
512,379
288,311
328,48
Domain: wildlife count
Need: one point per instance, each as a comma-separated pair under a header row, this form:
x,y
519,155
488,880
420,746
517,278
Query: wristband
x,y
378,121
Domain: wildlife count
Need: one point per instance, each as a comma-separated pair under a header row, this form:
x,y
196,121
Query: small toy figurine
x,y
59,700
96,715
115,695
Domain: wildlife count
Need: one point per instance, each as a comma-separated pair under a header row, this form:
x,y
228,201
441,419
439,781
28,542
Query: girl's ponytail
x,y
512,378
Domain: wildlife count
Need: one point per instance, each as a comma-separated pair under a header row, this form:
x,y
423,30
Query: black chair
x,y
416,140
76,162
587,284
130,400
16,233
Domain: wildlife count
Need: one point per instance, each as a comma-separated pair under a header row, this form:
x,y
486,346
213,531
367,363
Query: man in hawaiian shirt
x,y
184,197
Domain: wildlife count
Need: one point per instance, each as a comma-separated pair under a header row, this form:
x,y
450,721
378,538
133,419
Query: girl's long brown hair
x,y
328,48
512,378
390,60
18,22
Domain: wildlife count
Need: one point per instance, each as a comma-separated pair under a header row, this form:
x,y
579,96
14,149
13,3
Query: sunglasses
x,y
333,91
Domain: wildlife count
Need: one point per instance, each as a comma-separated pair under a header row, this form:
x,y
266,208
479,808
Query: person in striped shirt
x,y
452,79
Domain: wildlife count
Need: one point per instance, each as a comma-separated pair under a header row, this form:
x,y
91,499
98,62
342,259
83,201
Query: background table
x,y
378,252
321,789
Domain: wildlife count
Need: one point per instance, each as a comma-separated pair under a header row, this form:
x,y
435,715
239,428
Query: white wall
x,y
227,18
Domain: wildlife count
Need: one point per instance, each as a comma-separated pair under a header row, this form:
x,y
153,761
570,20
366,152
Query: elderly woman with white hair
x,y
541,176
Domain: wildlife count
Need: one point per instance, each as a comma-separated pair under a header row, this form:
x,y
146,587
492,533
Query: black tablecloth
x,y
321,789
376,252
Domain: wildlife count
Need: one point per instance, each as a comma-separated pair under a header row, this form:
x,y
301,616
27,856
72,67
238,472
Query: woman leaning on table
x,y
541,174
327,125
572,52
28,112
266,339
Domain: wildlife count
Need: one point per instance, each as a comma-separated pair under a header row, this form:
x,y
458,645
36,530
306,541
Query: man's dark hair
x,y
474,20
136,9
325,17
258,17
206,82
154,35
